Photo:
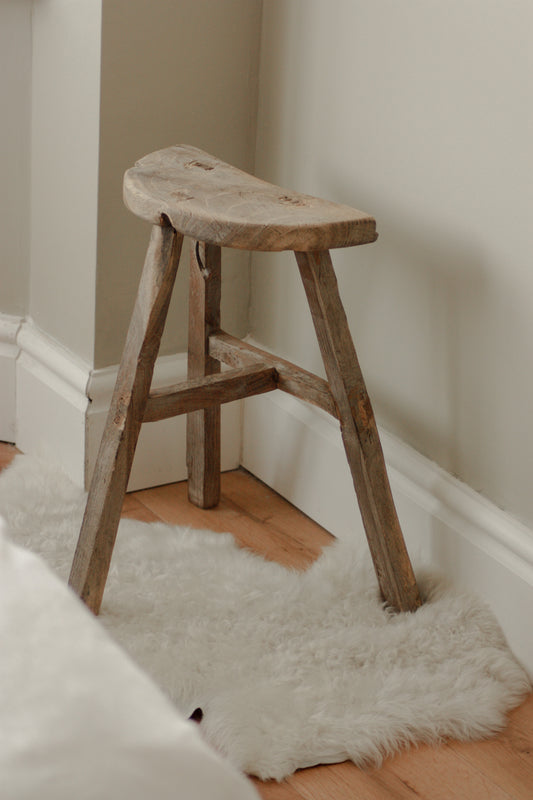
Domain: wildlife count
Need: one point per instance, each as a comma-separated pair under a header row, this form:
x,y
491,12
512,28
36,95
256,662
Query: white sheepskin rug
x,y
289,668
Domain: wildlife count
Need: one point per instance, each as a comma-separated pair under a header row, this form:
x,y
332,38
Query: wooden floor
x,y
499,769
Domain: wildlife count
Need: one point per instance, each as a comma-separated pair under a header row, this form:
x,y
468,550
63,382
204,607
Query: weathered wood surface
x,y
359,433
203,427
214,202
224,387
291,379
110,479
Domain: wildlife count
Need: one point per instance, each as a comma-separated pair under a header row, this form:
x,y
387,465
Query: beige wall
x,y
420,113
15,100
87,88
64,170
172,72
417,112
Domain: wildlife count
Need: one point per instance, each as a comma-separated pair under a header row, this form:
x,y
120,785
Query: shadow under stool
x,y
183,191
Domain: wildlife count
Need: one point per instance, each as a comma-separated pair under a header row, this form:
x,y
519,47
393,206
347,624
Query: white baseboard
x,y
297,449
51,401
62,406
9,326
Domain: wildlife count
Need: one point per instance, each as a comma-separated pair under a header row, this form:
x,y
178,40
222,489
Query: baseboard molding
x,y
61,408
297,450
52,400
9,350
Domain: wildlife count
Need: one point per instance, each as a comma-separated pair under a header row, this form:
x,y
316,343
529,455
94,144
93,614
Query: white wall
x,y
15,99
419,113
64,170
172,72
15,106
94,86
89,87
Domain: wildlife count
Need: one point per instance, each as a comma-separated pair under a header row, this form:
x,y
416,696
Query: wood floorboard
x,y
498,769
170,504
272,790
132,508
255,499
438,773
345,782
7,454
508,758
499,764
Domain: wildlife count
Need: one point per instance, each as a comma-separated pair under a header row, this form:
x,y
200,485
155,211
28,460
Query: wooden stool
x,y
184,191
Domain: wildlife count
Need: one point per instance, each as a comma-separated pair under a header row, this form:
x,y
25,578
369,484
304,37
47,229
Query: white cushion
x,y
77,718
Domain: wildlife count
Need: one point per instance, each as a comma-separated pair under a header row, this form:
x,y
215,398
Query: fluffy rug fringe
x,y
289,668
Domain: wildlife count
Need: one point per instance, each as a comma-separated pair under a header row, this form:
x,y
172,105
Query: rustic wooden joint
x,y
213,390
291,379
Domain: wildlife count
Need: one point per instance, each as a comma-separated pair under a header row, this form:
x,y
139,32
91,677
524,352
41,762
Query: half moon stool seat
x,y
183,191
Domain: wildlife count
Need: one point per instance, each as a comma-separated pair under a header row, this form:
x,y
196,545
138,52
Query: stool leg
x,y
203,427
359,433
110,479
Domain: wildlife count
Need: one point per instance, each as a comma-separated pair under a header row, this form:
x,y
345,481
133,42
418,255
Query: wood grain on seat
x,y
214,202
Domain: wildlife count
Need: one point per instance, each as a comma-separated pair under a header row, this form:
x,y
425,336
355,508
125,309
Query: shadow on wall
x,y
439,331
443,338
419,303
